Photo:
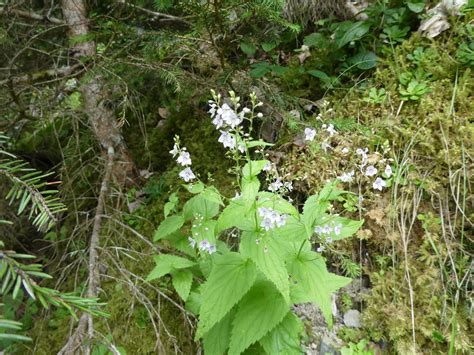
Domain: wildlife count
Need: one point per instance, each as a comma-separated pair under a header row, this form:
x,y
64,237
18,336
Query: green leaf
x,y
211,194
258,143
269,259
320,75
165,263
364,60
260,69
248,48
349,32
195,188
267,46
416,6
199,205
253,168
293,231
231,277
285,338
216,341
276,202
250,187
262,308
236,214
312,281
315,39
182,281
168,226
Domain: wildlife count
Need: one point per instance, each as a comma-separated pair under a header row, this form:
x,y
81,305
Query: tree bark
x,y
107,132
101,118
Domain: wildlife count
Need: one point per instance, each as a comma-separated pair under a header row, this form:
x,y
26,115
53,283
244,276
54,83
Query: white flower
x,y
318,230
379,184
320,249
331,130
227,140
280,222
174,151
271,218
212,111
326,229
289,186
370,171
218,122
211,249
246,110
229,116
337,229
259,115
187,175
192,242
329,240
267,166
304,48
204,245
388,171
325,146
275,186
184,158
345,150
347,177
266,224
309,134
363,155
241,147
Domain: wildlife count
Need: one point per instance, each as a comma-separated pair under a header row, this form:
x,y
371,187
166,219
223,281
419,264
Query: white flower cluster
x,y
204,245
271,218
278,185
368,171
310,134
227,118
184,159
328,229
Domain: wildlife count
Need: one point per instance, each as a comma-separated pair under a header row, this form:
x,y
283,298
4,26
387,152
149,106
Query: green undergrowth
x,y
421,225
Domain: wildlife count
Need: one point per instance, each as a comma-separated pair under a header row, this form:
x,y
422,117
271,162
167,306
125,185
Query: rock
x,y
352,318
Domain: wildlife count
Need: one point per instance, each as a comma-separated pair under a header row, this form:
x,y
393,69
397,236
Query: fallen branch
x,y
31,15
86,321
155,14
45,74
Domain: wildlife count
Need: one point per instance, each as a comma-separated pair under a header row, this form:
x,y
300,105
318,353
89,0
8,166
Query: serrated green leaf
x,y
312,281
165,263
416,6
293,231
284,339
182,281
231,277
253,168
269,258
199,205
168,226
250,187
211,194
236,215
276,202
261,309
216,341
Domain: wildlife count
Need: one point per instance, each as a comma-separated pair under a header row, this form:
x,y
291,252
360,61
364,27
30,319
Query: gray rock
x,y
352,318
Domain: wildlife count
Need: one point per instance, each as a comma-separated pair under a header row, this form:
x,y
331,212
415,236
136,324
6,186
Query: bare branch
x,y
153,13
31,15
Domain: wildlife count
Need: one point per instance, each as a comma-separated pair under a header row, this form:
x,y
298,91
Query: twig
x,y
31,15
153,13
86,321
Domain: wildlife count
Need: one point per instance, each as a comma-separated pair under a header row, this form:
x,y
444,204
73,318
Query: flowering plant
x,y
245,261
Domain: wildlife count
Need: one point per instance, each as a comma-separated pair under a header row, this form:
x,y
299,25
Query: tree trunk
x,y
101,118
